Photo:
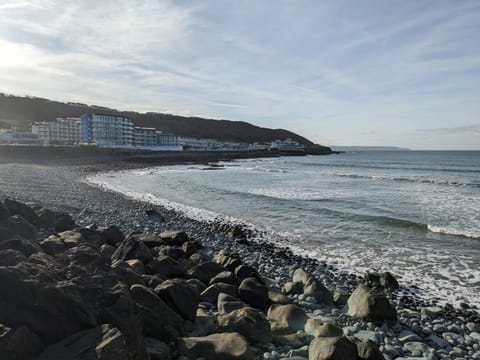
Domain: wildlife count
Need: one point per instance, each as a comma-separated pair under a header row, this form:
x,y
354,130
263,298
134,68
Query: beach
x,y
421,328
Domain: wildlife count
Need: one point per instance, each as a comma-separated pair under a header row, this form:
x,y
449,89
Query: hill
x,y
23,111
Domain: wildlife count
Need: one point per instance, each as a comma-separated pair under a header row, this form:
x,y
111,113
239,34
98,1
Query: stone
x,y
6,234
332,348
159,320
237,232
22,227
246,271
317,290
300,276
180,296
319,328
292,288
136,266
71,237
26,247
276,297
200,285
210,294
64,222
367,335
53,245
438,341
254,293
227,303
174,252
407,335
189,248
247,321
132,249
366,304
112,234
25,211
226,277
416,346
46,218
367,350
104,342
126,273
228,259
177,237
4,212
296,340
340,298
157,350
165,267
382,280
431,312
205,271
292,315
20,343
223,346
10,257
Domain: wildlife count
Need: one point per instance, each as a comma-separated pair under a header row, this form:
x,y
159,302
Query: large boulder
x,y
177,237
10,257
300,276
53,245
164,267
291,315
112,234
246,271
20,343
64,222
157,350
205,271
277,297
367,304
382,280
332,348
224,346
4,212
26,247
316,289
6,233
104,342
319,328
25,211
367,350
228,259
20,226
227,303
46,218
226,277
180,296
159,320
210,294
132,249
254,293
247,321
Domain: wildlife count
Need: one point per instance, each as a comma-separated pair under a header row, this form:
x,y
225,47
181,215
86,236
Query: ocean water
x,y
414,213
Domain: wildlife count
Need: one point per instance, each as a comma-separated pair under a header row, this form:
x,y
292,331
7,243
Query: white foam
x,y
454,231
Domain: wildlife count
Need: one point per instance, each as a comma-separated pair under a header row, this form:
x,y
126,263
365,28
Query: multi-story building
x,y
144,137
166,139
20,138
61,131
107,130
287,145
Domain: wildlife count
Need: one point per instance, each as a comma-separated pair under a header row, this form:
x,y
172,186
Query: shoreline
x,y
130,214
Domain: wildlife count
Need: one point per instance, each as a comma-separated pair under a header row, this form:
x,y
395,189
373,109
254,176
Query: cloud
x,y
473,129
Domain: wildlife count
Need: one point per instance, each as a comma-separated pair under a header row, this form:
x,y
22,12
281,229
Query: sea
x,y
413,213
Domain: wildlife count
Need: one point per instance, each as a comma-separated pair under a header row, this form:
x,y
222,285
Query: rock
x,y
317,290
46,218
228,259
382,280
292,340
199,285
340,298
20,226
103,343
292,315
4,212
319,328
210,294
367,350
127,274
276,297
159,320
53,245
132,249
366,304
416,347
300,276
157,350
136,266
246,271
64,222
172,251
189,248
155,214
438,341
112,234
292,288
226,277
254,293
18,344
205,271
407,335
367,335
174,237
227,303
71,237
431,312
107,251
224,346
11,257
247,321
25,211
332,348
180,296
164,267
237,232
6,234
26,247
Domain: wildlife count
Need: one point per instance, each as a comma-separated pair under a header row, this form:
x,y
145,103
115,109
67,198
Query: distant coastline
x,y
367,148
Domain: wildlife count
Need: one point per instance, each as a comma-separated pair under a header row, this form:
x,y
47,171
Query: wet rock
x,y
366,304
319,328
382,280
247,321
407,335
224,346
237,232
290,314
246,271
102,343
332,348
254,293
180,296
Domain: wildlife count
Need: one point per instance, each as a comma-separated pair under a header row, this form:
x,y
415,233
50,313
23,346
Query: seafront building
x,y
144,137
103,130
65,131
14,137
287,145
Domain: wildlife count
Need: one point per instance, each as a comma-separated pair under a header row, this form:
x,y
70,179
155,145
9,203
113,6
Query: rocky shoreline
x,y
105,288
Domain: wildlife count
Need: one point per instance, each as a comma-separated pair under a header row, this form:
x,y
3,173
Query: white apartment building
x,y
60,131
105,130
144,137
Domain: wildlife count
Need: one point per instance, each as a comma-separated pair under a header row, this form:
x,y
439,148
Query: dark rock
x,y
291,315
301,276
180,296
171,251
382,280
227,303
93,237
366,304
319,328
228,259
210,294
126,273
316,289
26,247
367,350
199,285
205,271
11,257
189,248
101,343
237,232
246,271
20,226
155,214
53,245
247,321
292,288
157,350
226,277
18,344
340,298
165,267
64,222
46,218
159,320
332,348
174,237
131,248
112,234
254,293
276,297
6,234
25,211
224,346
4,212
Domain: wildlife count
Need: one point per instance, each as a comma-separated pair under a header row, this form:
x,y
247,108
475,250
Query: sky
x,y
373,72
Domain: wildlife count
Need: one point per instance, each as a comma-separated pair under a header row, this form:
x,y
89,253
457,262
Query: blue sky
x,y
388,72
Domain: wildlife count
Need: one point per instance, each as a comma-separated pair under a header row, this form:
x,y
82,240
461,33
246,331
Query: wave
x,y
453,231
